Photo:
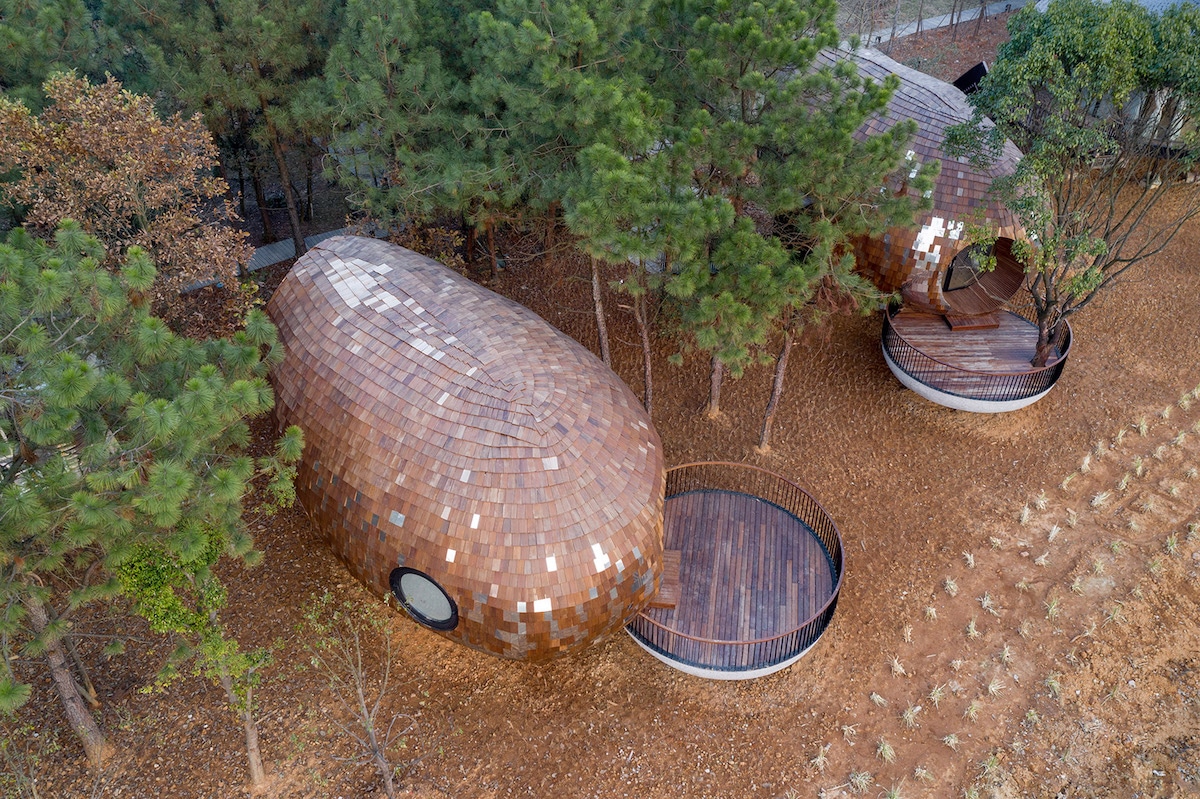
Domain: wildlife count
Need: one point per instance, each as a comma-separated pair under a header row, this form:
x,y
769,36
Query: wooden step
x,y
987,321
668,594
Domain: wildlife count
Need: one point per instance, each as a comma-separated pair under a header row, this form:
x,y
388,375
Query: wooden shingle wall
x,y
453,431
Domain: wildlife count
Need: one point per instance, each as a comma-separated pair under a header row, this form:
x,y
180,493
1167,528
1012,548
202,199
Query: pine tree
x,y
241,63
120,442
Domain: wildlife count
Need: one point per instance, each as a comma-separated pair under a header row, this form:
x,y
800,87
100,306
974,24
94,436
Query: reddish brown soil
x,y
914,487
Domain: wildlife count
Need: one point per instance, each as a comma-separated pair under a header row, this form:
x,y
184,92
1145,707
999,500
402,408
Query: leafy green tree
x,y
41,37
120,443
766,127
1103,99
103,156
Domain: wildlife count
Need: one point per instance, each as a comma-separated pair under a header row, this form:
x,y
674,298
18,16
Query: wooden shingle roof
x,y
452,431
914,260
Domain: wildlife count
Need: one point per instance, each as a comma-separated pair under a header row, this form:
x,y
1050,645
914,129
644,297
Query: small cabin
x,y
464,456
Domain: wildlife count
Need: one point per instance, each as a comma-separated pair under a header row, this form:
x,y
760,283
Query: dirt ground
x,y
1019,616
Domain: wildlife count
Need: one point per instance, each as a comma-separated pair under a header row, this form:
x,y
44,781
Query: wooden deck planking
x,y
748,569
1007,348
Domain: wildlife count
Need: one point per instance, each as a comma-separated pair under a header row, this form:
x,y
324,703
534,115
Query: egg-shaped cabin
x,y
934,266
465,456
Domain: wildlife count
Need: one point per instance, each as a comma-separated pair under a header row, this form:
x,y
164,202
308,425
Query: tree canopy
x,y
104,157
1103,99
120,443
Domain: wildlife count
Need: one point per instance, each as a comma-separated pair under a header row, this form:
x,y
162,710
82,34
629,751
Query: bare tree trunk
x,y
245,711
490,228
551,229
87,689
920,17
598,305
308,180
288,196
639,316
895,23
979,19
714,388
81,721
260,198
764,439
285,178
377,748
472,236
955,16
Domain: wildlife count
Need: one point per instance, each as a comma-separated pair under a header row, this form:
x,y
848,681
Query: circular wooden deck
x,y
756,584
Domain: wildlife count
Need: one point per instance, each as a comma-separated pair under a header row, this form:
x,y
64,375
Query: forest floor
x,y
1022,601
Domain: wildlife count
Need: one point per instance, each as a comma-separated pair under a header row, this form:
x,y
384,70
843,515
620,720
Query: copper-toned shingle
x,y
914,262
454,433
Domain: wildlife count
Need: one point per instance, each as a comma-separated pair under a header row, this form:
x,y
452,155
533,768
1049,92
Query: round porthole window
x,y
424,599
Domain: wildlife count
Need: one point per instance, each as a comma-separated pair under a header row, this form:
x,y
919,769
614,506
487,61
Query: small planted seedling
x,y
1133,524
987,603
1172,544
1085,466
1116,545
1072,518
923,774
1115,615
885,751
1023,585
1173,490
1193,531
1179,439
821,759
1099,450
936,694
1024,516
1066,481
930,613
1155,567
1053,607
897,667
972,630
951,741
1099,500
906,633
1032,718
1143,426
957,664
1052,682
1139,466
1123,483
1053,534
1098,567
861,781
1165,413
878,700
995,542
1077,584
1191,472
1041,500
970,560
909,717
950,586
1042,559
1120,437
995,686
1160,452
848,732
989,767
1026,629
893,792
1006,655
1148,504
972,711
1017,746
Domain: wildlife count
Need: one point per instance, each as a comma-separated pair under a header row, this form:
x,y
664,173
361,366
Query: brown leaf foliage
x,y
102,156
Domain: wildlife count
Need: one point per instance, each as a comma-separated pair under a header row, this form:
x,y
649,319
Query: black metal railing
x,y
968,383
722,655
